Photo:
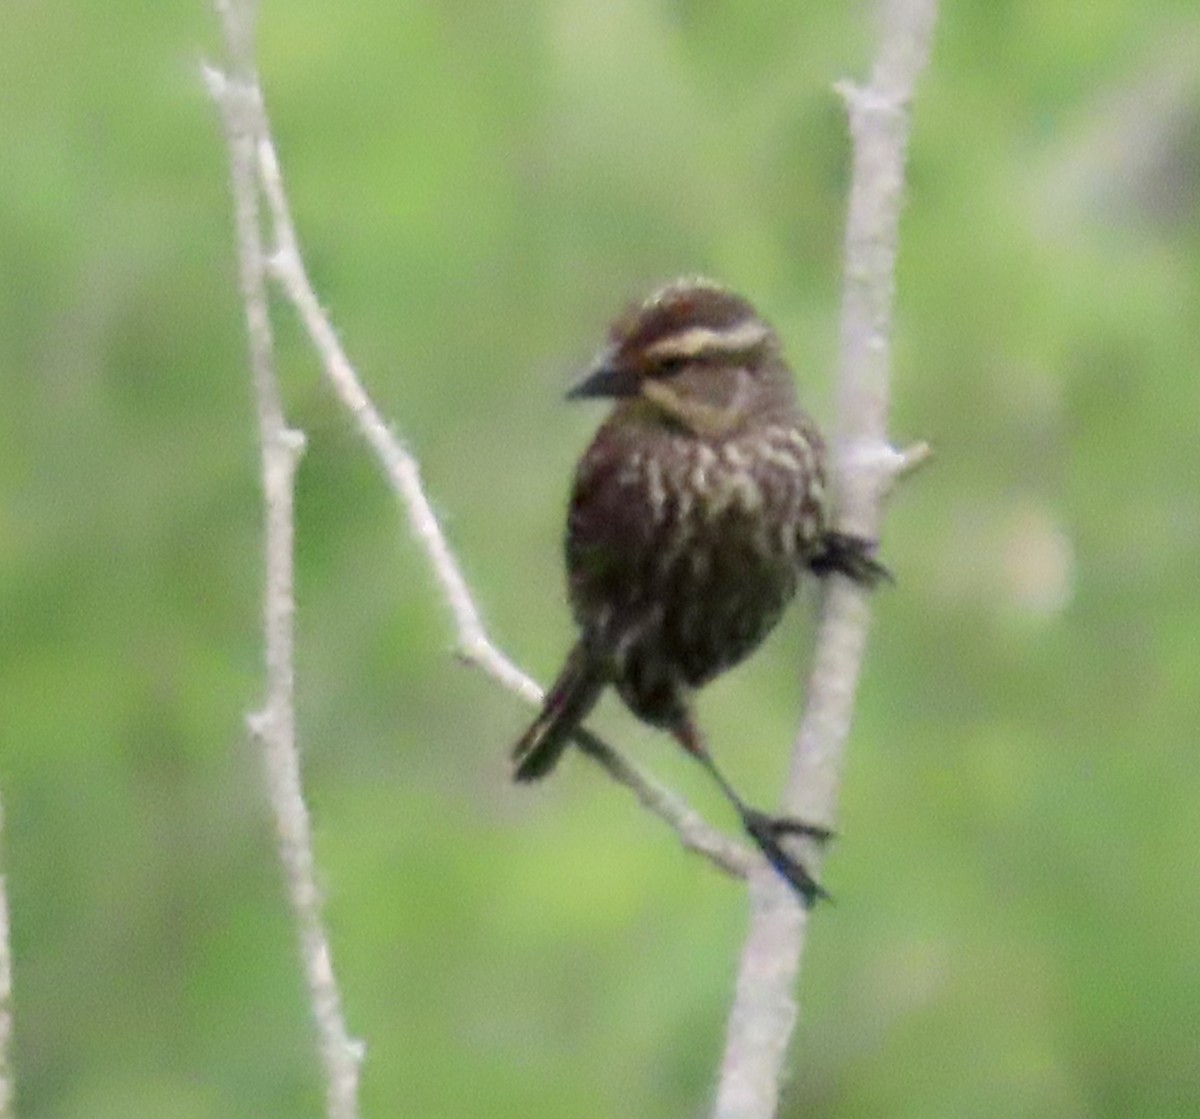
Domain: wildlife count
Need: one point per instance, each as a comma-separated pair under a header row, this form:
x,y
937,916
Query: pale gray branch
x,y
274,727
764,1009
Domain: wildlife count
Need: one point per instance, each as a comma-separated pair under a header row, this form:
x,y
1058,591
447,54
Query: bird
x,y
699,505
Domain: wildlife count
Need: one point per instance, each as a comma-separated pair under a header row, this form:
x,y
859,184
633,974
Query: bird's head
x,y
693,355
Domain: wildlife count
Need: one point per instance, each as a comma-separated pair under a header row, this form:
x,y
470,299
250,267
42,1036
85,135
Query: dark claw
x,y
766,832
782,825
852,557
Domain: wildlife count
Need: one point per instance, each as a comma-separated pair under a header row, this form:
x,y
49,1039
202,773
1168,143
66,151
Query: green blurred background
x,y
479,187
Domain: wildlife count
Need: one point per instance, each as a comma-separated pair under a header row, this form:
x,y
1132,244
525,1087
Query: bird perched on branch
x,y
695,510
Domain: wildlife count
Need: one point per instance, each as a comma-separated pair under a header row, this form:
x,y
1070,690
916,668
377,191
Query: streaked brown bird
x,y
696,508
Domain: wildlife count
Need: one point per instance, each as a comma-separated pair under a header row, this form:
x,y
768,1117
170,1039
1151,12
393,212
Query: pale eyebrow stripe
x,y
700,339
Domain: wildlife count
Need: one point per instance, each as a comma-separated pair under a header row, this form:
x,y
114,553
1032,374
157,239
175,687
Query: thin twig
x,y
764,1010
274,727
6,1020
693,831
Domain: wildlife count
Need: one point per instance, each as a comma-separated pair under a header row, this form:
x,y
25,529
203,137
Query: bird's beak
x,y
605,379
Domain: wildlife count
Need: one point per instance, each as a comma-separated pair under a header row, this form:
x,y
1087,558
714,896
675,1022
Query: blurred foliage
x,y
479,188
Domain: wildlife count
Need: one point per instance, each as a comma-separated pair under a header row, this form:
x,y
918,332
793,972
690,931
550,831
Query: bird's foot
x,y
768,832
853,557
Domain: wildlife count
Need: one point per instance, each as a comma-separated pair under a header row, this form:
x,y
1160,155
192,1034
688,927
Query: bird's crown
x,y
689,319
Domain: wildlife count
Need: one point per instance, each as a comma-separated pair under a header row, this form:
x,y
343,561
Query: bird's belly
x,y
722,596
685,565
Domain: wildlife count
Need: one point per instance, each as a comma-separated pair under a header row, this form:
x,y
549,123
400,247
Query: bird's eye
x,y
668,366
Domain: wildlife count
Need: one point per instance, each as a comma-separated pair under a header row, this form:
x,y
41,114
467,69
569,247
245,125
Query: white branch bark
x,y
274,726
764,1010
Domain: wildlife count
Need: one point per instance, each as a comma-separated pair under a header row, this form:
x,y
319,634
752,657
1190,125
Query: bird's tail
x,y
567,704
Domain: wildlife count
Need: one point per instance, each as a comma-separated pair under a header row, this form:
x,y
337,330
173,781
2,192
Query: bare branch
x,y
694,833
400,466
6,1021
275,725
764,1011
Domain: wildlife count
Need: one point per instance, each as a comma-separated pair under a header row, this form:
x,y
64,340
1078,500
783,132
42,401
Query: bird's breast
x,y
690,543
